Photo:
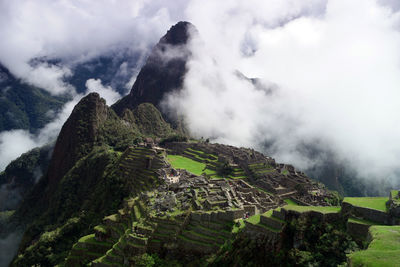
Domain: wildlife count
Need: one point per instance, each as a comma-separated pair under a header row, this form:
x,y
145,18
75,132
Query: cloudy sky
x,y
333,66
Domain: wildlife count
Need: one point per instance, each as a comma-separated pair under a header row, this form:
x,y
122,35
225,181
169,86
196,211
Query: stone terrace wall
x,y
218,216
177,147
357,230
328,217
366,213
257,232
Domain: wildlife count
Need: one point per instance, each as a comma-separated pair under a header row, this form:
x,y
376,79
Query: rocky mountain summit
x,y
164,70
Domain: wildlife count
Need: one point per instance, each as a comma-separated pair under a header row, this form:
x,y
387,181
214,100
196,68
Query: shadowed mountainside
x,y
164,69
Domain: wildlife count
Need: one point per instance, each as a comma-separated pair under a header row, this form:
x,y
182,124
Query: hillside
x,y
23,106
21,174
129,190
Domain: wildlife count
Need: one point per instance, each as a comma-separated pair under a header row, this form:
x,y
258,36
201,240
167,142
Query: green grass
x,y
236,228
360,221
101,229
86,238
377,203
91,240
181,162
384,250
255,219
269,215
321,209
394,193
290,202
113,217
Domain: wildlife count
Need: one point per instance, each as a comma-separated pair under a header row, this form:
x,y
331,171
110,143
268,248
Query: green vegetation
x,y
239,224
360,221
255,219
321,244
321,209
181,162
26,107
290,202
377,203
150,122
395,198
383,251
92,189
24,172
174,138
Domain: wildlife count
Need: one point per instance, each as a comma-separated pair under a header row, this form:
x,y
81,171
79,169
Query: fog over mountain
x,y
329,70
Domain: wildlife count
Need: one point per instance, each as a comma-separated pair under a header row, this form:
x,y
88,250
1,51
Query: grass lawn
x,y
377,203
384,250
321,209
91,240
181,162
290,202
255,219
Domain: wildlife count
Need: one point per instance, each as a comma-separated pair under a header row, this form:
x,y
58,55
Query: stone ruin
x,y
279,180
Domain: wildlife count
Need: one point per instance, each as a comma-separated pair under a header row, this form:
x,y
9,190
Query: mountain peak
x,y
178,34
77,134
163,72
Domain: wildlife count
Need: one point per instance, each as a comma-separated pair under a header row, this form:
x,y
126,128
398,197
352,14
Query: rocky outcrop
x,y
164,69
77,135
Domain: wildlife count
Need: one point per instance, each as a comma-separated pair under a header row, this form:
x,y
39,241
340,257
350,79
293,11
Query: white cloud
x,y
336,64
72,32
106,92
76,31
12,144
15,142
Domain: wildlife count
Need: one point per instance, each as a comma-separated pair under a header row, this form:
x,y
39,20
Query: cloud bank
x,y
335,70
75,31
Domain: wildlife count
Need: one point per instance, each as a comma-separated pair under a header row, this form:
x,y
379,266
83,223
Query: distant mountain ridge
x,y
23,106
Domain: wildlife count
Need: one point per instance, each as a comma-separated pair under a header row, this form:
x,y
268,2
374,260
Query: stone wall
x,y
218,216
366,213
328,217
251,209
255,232
299,202
357,230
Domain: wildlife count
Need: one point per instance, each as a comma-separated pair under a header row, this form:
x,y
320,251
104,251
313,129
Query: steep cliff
x,y
164,69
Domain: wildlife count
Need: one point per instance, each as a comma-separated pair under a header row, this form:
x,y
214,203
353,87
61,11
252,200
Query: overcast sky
x,y
335,64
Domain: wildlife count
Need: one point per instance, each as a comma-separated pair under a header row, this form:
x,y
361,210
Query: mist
x,y
331,79
9,246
